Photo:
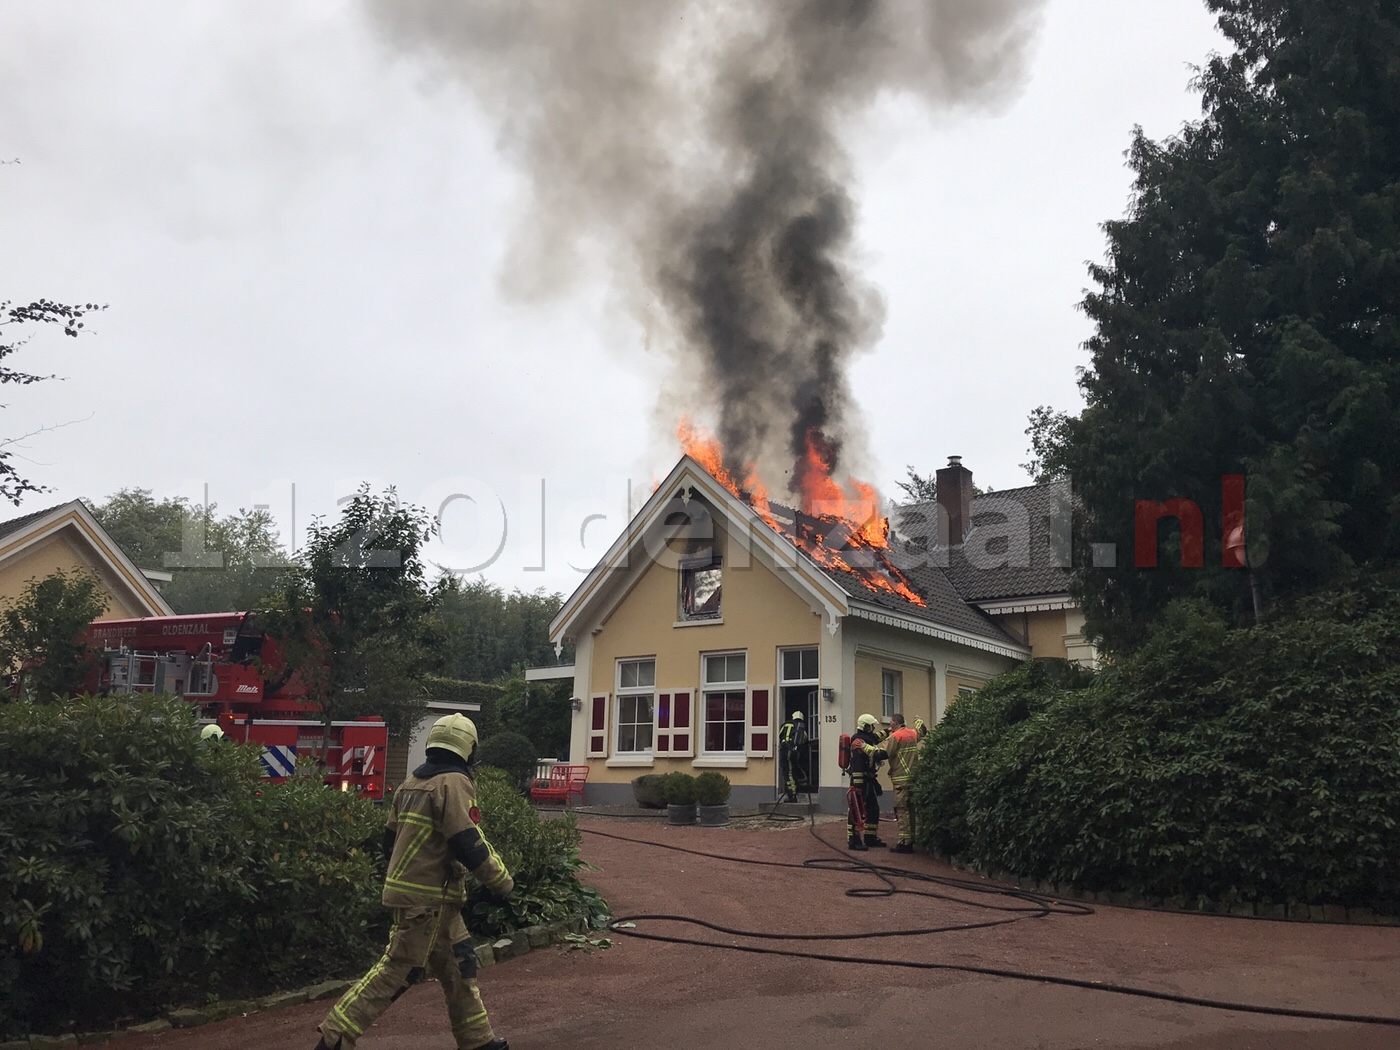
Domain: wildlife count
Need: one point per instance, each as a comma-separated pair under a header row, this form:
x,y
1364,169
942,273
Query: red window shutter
x,y
681,736
663,723
760,721
598,726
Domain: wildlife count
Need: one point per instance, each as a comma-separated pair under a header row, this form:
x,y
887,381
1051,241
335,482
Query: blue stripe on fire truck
x,y
278,760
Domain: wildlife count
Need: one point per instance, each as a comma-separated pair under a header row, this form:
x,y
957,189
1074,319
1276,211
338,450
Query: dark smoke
x,y
694,148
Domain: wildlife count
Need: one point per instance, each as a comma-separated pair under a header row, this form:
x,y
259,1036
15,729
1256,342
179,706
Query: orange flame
x,y
705,449
840,524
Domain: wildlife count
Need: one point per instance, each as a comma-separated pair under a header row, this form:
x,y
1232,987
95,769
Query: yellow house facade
x,y
68,537
705,626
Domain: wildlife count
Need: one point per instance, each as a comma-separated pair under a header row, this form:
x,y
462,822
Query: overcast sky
x,y
299,235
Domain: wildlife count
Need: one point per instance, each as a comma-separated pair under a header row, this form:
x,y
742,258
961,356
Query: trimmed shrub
x,y
679,789
1215,764
948,761
650,790
712,789
512,754
543,857
142,866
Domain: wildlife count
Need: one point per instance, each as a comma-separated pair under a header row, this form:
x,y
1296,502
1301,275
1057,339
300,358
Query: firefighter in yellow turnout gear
x,y
901,747
432,840
863,796
793,756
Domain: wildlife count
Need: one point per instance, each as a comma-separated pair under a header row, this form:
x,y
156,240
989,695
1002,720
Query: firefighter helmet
x,y
797,714
865,722
211,732
455,733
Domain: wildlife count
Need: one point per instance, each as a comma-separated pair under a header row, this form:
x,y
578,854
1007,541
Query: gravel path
x,y
643,995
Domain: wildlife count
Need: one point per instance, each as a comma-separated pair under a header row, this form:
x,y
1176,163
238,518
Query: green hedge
x,y
456,691
1215,764
143,867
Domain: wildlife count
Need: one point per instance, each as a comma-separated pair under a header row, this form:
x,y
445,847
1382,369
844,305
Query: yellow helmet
x,y
797,714
865,722
211,732
455,733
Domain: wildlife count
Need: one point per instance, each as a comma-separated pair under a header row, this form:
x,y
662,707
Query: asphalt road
x,y
642,995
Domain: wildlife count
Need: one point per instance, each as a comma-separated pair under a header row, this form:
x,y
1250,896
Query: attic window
x,y
700,587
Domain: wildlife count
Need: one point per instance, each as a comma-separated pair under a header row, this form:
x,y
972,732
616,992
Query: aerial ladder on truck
x,y
235,675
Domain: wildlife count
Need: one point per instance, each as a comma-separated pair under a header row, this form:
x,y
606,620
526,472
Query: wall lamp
x,y
829,694
576,703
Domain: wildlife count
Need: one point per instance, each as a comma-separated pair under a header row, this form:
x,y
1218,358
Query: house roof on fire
x,y
861,586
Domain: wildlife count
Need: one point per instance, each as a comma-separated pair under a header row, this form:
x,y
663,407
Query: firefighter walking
x,y
863,796
793,755
432,840
901,747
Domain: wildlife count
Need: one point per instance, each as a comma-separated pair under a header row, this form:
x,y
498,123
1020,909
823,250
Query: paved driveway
x,y
641,995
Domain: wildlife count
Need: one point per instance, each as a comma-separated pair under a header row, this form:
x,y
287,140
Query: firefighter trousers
x,y
430,939
903,814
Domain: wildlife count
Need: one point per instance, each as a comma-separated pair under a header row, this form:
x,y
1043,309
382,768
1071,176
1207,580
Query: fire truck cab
x,y
235,675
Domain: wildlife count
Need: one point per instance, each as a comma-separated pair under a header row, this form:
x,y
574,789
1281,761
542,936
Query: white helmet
x,y
866,722
211,732
455,733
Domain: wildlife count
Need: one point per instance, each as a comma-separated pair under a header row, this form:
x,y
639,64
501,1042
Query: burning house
x,y
696,153
718,613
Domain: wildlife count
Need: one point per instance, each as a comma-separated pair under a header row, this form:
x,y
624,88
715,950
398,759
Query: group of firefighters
x,y
433,840
861,756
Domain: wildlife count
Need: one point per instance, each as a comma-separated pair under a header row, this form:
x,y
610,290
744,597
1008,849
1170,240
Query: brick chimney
x,y
955,497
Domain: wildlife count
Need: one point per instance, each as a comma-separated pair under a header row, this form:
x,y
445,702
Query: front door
x,y
804,698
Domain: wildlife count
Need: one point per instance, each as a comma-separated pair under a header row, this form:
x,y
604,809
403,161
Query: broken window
x,y
700,587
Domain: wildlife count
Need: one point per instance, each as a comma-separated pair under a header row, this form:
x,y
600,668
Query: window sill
x,y
712,621
721,762
629,760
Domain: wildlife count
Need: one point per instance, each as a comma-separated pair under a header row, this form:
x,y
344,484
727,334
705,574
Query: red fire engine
x,y
220,663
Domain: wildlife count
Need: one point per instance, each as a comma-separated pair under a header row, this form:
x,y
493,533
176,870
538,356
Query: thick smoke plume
x,y
694,148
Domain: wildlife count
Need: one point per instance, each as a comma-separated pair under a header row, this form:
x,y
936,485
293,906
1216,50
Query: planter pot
x,y
680,814
714,816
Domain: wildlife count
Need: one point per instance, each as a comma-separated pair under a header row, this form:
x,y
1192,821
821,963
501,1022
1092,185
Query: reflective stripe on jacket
x,y
429,813
902,748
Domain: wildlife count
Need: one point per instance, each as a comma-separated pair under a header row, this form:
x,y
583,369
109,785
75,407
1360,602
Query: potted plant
x,y
712,795
680,798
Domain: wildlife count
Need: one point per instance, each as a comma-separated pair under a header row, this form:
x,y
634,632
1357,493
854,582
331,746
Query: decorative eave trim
x,y
947,634
1043,603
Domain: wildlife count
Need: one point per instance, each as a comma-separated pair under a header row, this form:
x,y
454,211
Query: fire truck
x,y
235,675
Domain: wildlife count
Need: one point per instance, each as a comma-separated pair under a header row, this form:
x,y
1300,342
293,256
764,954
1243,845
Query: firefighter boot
x,y
902,847
856,844
321,1044
495,1044
875,840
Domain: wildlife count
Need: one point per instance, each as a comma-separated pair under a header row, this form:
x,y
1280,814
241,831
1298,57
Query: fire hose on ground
x,y
1031,906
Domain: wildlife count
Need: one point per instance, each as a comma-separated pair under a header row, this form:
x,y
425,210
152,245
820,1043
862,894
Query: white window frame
x,y
632,692
784,680
739,753
890,699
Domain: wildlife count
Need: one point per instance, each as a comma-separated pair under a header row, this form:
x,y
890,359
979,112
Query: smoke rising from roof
x,y
693,148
